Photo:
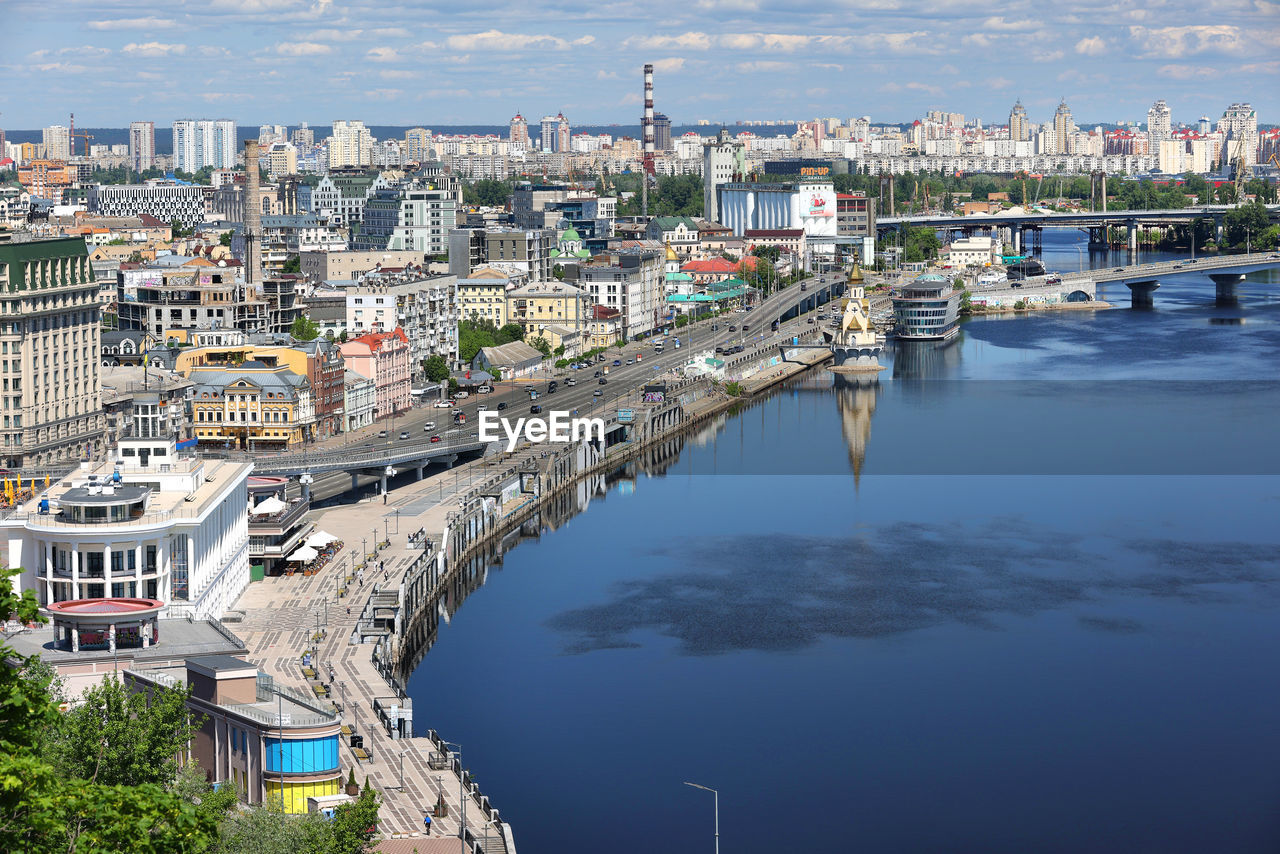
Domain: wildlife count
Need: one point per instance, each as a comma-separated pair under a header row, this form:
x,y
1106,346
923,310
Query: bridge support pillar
x,y
1142,294
1226,287
417,472
306,488
1015,237
1133,235
1219,223
382,484
355,481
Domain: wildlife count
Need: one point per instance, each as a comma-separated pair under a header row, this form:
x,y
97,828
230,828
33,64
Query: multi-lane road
x,y
586,396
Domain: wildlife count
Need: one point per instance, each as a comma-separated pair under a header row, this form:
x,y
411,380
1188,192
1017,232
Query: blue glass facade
x,y
302,755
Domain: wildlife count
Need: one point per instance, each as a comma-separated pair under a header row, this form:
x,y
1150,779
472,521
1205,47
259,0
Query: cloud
x,y
913,86
500,42
671,63
999,83
1091,46
397,74
629,99
61,68
767,65
1186,72
383,54
978,40
147,23
817,91
82,52
684,41
1177,42
1051,56
303,49
153,49
383,93
999,23
606,75
903,42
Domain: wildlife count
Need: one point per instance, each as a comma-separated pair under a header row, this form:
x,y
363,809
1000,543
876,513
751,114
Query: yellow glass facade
x,y
296,794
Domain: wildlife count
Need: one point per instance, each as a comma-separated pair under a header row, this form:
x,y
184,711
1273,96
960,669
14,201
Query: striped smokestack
x,y
646,127
252,215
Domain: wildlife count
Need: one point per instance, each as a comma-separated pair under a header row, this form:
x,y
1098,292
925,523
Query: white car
x,y
482,407
429,426
442,404
461,395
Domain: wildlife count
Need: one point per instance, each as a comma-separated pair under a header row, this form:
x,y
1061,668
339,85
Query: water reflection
x,y
922,360
856,396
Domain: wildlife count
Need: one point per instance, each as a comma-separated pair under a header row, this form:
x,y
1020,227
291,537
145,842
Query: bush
x,y
1020,305
733,388
562,363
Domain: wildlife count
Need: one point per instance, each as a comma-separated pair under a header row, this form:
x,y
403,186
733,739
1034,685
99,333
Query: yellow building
x,y
252,406
541,304
483,296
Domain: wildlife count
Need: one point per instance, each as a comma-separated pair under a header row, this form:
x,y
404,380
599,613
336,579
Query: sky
x,y
410,62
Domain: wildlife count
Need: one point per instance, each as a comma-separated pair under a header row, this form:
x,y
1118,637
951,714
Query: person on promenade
x,y
426,823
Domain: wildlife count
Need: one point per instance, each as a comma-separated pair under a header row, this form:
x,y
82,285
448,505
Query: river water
x,y
1020,594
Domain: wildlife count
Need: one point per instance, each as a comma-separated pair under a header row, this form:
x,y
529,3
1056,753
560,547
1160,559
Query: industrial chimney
x,y
647,135
252,215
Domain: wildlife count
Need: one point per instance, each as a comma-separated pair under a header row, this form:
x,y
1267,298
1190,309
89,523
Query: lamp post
x,y
717,794
462,798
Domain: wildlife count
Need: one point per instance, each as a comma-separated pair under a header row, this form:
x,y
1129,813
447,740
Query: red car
x,y
435,439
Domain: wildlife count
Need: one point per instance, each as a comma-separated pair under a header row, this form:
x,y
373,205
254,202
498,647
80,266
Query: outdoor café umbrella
x,y
269,505
304,554
320,539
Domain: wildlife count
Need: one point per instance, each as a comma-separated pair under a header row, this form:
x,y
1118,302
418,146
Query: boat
x,y
926,309
1027,268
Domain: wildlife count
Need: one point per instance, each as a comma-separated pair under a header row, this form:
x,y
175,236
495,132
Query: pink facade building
x,y
384,358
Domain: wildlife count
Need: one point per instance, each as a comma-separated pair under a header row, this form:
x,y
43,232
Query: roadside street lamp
x,y
462,798
717,806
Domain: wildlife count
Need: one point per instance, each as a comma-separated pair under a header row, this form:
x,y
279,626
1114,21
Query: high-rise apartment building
x,y
1240,124
518,131
564,137
661,132
1019,129
1159,124
303,138
417,144
49,353
198,143
1063,128
57,143
547,133
142,146
350,145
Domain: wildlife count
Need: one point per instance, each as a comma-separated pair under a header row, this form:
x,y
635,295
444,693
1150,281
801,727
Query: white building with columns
x,y
152,522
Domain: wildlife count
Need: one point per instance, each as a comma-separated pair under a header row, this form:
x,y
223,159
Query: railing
x,y
55,520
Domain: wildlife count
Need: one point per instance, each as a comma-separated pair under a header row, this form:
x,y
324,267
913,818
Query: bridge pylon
x,y
1225,287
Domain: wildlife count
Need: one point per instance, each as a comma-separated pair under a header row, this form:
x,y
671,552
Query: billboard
x,y
803,168
819,203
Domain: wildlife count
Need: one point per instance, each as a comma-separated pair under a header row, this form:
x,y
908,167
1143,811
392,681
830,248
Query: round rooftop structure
x,y
105,624
267,483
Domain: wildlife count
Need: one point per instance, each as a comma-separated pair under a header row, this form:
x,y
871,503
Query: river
x,y
1020,594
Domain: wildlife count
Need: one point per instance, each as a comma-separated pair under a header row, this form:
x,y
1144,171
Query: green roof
x,y
570,233
679,277
667,223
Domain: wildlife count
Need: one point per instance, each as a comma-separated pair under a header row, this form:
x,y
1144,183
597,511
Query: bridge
x,y
1226,271
1096,222
380,462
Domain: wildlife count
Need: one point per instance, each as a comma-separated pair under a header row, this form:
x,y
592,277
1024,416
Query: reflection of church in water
x,y
856,396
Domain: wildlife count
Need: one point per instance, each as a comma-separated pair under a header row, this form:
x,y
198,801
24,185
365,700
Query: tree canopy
x,y
304,328
436,368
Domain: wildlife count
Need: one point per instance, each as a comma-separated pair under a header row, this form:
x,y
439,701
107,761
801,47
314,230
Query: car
x,y
597,373
404,434
571,382
630,362
597,393
435,439
429,426
502,406
461,395
746,327
617,363
733,328
1194,260
382,434
604,381
442,404
1177,266
535,409
457,412
1118,270
719,349
552,386
811,320
715,327
482,407
803,286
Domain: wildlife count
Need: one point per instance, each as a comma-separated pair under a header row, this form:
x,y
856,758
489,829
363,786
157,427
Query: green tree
x,y
540,344
304,328
225,239
119,736
292,264
1247,224
436,368
354,824
487,192
508,333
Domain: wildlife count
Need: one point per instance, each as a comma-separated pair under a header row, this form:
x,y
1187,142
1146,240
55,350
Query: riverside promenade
x,y
280,616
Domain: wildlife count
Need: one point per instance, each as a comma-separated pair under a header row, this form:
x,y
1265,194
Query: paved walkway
x,y
282,613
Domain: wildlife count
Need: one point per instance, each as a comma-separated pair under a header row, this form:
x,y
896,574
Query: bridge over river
x,y
1226,271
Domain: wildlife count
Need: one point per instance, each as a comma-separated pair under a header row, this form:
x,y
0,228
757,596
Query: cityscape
x,y
753,408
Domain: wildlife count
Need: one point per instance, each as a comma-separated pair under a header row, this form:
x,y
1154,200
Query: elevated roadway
x,y
1226,271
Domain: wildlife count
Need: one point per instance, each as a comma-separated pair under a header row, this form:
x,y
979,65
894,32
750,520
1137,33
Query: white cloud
x,y
999,83
1091,46
383,93
913,86
1186,72
606,75
978,40
766,65
684,41
397,74
61,68
1051,56
82,52
153,49
147,23
500,42
383,54
999,23
671,63
303,49
1177,42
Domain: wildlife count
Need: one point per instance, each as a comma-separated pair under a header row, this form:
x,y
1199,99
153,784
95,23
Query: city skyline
x,y
116,61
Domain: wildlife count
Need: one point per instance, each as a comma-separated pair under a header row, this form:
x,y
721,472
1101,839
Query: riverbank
x,y
1092,305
